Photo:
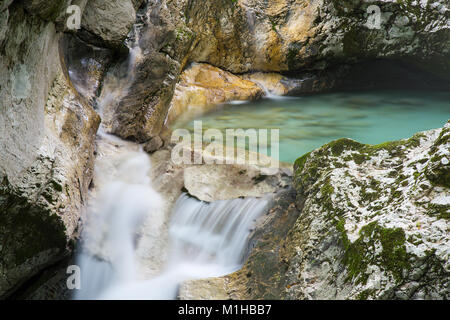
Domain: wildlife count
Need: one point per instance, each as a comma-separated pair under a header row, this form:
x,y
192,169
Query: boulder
x,y
108,22
372,224
202,86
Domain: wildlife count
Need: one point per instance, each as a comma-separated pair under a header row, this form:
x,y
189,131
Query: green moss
x,y
56,186
438,173
368,197
292,56
327,189
273,24
360,254
439,211
364,295
182,33
300,162
338,146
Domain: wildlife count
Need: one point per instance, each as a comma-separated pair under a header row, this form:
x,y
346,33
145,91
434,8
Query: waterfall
x,y
206,239
124,199
213,234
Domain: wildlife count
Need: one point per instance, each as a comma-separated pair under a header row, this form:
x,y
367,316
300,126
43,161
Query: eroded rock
x,y
108,21
47,150
372,224
292,35
202,86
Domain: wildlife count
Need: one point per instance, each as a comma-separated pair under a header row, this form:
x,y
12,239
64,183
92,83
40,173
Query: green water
x,y
306,123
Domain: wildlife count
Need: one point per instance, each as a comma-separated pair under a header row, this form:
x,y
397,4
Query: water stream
x,y
205,239
309,122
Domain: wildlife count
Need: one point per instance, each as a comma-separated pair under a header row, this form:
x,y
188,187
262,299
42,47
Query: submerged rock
x,y
372,224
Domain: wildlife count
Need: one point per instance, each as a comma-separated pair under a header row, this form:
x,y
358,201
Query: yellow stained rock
x,y
202,86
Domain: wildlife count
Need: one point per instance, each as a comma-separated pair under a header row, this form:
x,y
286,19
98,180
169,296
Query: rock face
x,y
291,35
372,224
161,42
46,148
202,86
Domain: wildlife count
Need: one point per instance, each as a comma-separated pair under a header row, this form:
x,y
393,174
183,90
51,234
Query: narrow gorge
x,y
120,179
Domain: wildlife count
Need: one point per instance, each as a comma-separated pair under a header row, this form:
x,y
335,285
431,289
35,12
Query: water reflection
x,y
308,122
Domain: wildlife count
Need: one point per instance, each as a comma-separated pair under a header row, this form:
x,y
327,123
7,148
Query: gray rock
x,y
153,145
369,223
109,20
46,150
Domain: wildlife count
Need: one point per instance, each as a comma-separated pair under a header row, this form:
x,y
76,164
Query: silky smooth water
x,y
205,239
309,122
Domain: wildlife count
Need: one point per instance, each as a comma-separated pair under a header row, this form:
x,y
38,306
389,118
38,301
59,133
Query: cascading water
x,y
124,200
206,239
213,236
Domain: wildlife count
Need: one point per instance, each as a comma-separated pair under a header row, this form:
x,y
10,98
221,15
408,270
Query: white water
x,y
213,236
206,239
124,201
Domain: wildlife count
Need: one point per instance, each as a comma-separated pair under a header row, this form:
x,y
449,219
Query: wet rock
x,y
162,42
369,222
87,65
153,145
46,150
202,86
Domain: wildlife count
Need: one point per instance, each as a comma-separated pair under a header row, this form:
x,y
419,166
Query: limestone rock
x,y
292,35
372,224
153,145
46,150
202,86
49,11
208,289
109,20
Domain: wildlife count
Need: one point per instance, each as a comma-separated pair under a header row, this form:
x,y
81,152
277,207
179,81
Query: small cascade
x,y
206,240
213,234
124,199
268,94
